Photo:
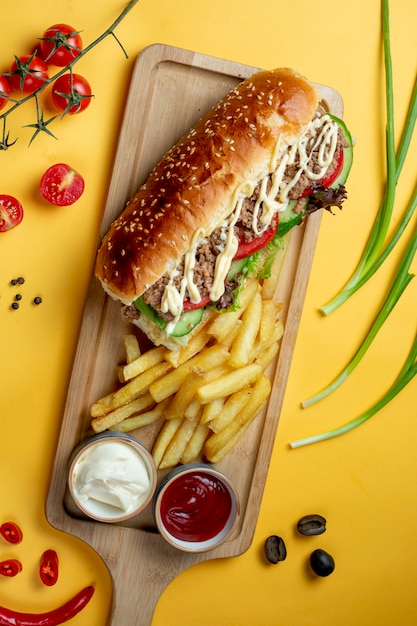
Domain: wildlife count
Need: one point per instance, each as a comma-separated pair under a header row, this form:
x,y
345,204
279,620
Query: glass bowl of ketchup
x,y
196,507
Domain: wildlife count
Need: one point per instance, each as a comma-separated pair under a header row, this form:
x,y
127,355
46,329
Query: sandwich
x,y
215,209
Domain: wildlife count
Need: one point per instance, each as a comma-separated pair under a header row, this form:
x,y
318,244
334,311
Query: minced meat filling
x,y
208,251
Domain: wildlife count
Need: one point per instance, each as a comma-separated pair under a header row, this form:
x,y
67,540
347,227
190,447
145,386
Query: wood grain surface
x,y
170,89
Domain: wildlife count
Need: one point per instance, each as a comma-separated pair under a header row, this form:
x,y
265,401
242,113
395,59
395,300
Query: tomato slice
x,y
11,212
192,306
326,181
61,185
249,247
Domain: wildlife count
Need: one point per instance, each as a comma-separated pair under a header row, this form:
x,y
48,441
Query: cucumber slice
x,y
186,323
289,218
347,154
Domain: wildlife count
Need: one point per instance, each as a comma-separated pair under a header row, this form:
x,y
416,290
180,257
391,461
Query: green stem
x,y
376,240
109,31
399,284
407,373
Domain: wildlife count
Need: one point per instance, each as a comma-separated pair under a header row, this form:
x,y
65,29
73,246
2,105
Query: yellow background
x,y
363,482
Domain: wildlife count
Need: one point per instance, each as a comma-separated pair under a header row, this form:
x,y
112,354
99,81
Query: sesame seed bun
x,y
194,185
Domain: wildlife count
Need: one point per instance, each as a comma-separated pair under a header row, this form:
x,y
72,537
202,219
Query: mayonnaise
x,y
110,478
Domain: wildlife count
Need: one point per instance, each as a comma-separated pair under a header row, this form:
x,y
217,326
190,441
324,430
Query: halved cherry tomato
x,y
28,73
5,90
60,44
71,93
10,568
326,181
61,185
11,532
249,247
48,569
191,306
11,212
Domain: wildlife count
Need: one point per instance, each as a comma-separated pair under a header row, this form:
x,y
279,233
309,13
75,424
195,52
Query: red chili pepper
x,y
48,570
11,532
10,568
51,618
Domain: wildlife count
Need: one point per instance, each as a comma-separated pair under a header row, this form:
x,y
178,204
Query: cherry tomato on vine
x,y
71,93
60,44
5,90
11,532
11,212
10,568
48,569
61,185
28,73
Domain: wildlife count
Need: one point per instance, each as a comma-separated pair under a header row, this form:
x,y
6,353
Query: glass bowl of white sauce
x,y
112,477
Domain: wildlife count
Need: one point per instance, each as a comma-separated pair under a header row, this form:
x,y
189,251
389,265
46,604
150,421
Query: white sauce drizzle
x,y
320,136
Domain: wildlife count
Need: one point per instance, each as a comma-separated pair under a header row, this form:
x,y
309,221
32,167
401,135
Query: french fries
x,y
206,394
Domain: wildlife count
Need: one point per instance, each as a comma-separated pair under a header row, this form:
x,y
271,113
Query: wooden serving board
x,y
170,89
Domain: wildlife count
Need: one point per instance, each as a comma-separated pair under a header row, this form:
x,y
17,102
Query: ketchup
x,y
195,507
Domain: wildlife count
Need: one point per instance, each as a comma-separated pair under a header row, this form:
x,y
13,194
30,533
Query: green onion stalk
x,y
399,284
375,251
407,373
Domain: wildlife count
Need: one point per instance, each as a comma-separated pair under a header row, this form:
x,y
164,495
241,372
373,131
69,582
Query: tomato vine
x,y
42,125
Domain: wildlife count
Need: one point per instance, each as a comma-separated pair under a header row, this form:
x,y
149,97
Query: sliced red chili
x,y
10,568
51,618
11,532
249,247
48,570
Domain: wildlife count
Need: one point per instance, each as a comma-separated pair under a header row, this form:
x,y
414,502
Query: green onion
x,y
400,282
407,373
374,252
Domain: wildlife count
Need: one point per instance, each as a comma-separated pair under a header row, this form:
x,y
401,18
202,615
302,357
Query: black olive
x,y
322,563
311,525
275,549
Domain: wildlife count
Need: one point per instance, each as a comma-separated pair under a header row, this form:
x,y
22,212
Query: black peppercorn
x,y
37,300
15,305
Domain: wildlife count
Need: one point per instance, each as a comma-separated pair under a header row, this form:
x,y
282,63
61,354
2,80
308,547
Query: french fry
x,y
195,379
138,421
99,424
222,452
223,323
193,410
178,443
269,285
267,323
231,337
132,348
211,410
231,408
144,362
185,394
261,346
170,383
229,383
165,435
266,357
245,340
194,346
195,444
218,441
136,387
